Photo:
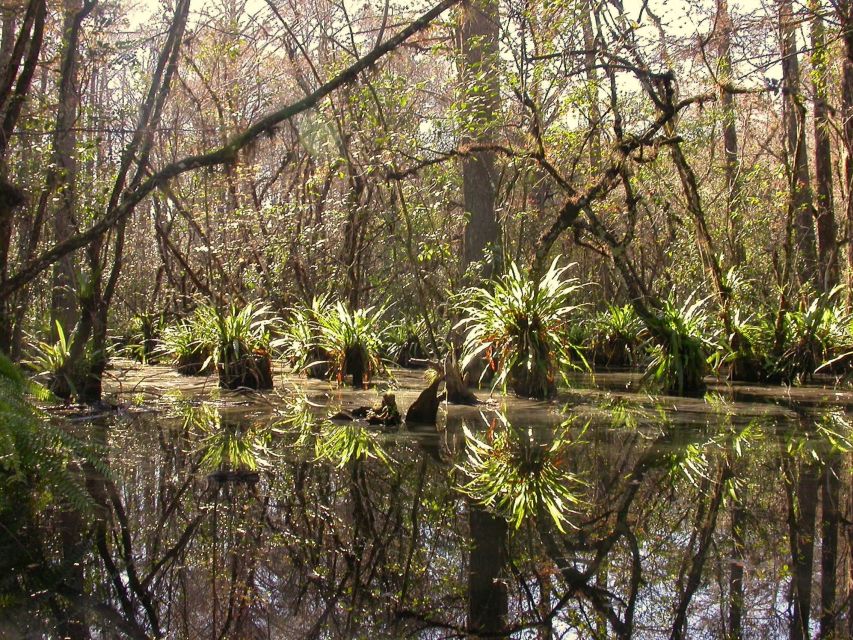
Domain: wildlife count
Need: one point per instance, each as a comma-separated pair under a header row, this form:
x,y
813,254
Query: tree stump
x,y
424,410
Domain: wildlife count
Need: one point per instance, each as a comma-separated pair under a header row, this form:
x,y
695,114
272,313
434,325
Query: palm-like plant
x,y
815,335
519,477
352,342
521,328
188,343
618,335
239,346
299,343
680,348
48,358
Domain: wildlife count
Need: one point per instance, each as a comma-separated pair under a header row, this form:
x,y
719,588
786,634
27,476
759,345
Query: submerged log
x,y
424,410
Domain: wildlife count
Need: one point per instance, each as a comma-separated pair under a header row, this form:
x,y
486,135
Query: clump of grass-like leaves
x,y
299,342
679,348
518,477
522,327
352,342
239,345
618,336
817,336
189,343
48,358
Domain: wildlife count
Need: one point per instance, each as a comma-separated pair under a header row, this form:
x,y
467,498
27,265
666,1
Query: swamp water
x,y
606,514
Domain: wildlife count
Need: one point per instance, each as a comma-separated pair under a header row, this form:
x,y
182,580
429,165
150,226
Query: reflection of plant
x,y
229,446
521,327
519,477
339,444
679,353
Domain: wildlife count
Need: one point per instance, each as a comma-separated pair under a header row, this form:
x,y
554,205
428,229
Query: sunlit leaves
x,y
520,326
509,471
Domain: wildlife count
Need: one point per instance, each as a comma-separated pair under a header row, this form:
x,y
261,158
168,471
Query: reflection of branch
x,y
697,562
179,546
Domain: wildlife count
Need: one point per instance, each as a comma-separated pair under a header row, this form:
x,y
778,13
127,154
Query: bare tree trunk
x,y
16,80
589,45
735,247
480,30
63,174
845,16
827,247
794,120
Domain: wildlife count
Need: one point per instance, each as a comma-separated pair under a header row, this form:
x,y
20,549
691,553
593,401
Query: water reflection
x,y
647,523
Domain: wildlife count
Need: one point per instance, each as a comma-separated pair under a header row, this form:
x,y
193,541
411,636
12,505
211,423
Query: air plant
x,y
521,328
618,336
679,347
352,342
239,346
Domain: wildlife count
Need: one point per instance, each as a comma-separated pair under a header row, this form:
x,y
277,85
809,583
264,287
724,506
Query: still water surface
x,y
608,514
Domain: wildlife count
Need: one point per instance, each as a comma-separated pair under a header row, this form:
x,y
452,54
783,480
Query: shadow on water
x,y
618,516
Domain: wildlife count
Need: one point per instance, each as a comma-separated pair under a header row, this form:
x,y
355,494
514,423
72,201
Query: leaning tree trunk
x,y
63,174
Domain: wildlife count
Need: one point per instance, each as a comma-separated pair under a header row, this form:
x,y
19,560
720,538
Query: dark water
x,y
705,518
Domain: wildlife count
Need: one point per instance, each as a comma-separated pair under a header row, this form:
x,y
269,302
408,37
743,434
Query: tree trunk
x,y
480,30
63,301
845,18
794,121
827,247
735,247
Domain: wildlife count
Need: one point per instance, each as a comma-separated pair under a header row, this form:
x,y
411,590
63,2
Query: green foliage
x,y
238,341
142,342
352,341
189,343
618,336
339,444
299,342
49,358
680,348
522,327
34,454
518,477
815,337
236,333
815,334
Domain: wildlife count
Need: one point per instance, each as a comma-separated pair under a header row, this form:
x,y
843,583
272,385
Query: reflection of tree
x,y
684,531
